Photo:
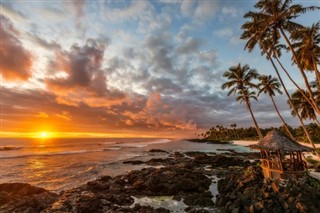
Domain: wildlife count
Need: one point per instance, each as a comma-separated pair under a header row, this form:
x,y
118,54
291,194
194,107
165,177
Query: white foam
x,y
51,153
112,148
161,201
143,144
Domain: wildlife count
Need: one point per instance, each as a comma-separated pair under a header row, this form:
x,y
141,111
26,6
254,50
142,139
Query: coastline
x,y
179,182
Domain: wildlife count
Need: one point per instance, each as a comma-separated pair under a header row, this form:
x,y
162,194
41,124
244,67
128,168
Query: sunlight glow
x,y
44,134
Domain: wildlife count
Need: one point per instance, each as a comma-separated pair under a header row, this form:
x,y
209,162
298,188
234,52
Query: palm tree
x,y
274,17
269,43
307,47
269,85
304,108
240,81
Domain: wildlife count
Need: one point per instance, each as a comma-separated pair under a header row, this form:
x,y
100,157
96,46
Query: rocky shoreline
x,y
187,178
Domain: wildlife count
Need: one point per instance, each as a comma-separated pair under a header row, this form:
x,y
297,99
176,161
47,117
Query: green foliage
x,y
312,161
221,133
313,182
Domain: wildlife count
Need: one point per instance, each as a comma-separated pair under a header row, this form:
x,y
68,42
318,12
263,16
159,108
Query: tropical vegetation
x,y
240,84
225,133
272,27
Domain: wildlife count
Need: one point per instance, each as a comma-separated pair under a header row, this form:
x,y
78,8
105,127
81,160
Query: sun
x,y
43,134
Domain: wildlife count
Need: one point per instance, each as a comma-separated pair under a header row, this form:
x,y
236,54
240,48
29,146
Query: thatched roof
x,y
276,140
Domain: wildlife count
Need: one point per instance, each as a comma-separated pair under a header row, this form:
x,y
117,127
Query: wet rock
x,y
158,150
220,161
134,162
208,141
184,176
176,155
198,210
22,197
167,181
149,209
248,192
195,153
196,199
161,161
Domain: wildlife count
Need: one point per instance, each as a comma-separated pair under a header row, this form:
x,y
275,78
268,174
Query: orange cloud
x,y
65,115
158,115
16,61
42,115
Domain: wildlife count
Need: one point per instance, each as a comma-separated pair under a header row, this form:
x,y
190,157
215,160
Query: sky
x,y
128,68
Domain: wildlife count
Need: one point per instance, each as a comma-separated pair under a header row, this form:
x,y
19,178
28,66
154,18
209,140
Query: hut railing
x,y
284,165
271,164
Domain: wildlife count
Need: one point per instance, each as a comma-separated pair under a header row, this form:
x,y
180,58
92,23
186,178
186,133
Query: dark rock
x,y
199,199
195,153
167,181
197,210
149,209
22,197
176,155
209,141
161,161
158,150
249,191
134,162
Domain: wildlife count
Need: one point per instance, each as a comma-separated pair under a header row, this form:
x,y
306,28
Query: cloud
x,y
42,115
131,11
52,45
159,51
28,113
200,10
79,7
7,10
225,32
157,114
16,61
163,85
229,11
64,115
189,46
236,40
85,78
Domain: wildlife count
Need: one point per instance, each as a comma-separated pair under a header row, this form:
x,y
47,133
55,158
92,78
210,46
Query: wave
x,y
142,144
112,148
57,153
9,148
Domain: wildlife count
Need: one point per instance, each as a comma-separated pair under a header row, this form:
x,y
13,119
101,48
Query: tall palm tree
x,y
269,85
307,47
268,41
240,81
275,17
255,34
304,108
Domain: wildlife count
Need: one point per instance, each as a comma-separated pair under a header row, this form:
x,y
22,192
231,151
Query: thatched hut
x,y
281,156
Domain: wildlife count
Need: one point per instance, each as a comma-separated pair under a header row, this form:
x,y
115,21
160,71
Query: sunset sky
x,y
127,68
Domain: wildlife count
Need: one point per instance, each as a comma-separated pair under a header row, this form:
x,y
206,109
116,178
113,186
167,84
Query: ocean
x,y
60,164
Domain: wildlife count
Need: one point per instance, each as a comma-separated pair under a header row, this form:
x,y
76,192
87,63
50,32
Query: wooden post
x,y
280,160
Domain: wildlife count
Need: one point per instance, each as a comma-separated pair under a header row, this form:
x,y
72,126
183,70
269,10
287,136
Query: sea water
x,y
60,164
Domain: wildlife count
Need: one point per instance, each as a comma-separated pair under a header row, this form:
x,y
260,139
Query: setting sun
x,y
44,134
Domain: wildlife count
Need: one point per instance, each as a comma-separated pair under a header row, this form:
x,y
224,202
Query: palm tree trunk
x,y
316,70
284,123
290,101
316,107
300,90
254,120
